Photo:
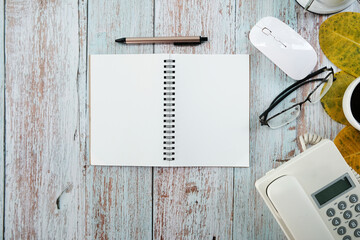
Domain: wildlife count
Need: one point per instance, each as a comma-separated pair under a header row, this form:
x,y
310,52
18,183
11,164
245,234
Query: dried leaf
x,y
332,101
348,143
339,39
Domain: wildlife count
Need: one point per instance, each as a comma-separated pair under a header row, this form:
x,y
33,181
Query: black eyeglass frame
x,y
263,117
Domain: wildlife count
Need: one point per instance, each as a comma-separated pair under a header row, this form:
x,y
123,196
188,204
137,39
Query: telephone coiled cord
x,y
313,139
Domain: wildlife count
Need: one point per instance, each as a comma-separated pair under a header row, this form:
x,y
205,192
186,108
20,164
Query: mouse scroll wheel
x,y
266,31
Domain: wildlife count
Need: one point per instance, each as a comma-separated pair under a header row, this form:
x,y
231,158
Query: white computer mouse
x,y
285,47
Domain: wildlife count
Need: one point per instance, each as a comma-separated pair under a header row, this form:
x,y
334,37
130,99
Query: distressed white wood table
x,y
49,189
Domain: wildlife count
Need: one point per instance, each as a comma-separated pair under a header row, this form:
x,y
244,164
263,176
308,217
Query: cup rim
x,y
346,104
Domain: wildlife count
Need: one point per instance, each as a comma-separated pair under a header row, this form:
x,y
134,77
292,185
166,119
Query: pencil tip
x,y
120,40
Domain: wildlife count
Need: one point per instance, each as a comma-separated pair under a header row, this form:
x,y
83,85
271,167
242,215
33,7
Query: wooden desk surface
x,y
50,191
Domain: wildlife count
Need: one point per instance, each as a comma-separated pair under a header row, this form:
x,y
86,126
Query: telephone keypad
x,y
344,216
336,221
353,223
341,230
357,232
342,205
330,212
357,207
347,214
353,198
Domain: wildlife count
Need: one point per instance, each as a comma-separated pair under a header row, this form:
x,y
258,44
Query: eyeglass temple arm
x,y
294,85
323,69
291,89
279,99
284,94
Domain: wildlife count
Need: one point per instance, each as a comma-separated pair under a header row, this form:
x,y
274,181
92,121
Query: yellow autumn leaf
x,y
339,39
348,143
332,101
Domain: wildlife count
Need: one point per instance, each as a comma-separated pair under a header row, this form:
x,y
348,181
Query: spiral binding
x,y
169,110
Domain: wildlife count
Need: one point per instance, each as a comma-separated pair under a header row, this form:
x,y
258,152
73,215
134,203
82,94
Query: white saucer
x,y
320,8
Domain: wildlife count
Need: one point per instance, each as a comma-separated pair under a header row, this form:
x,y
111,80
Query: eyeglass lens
x,y
283,118
288,110
321,89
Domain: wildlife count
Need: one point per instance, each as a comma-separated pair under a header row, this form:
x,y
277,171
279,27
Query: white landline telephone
x,y
315,195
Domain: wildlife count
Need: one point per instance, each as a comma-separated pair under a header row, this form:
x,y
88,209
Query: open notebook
x,y
169,110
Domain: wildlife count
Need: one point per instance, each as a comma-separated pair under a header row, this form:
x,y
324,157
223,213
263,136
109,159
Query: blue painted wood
x,y
252,219
52,192
44,182
118,199
194,203
2,118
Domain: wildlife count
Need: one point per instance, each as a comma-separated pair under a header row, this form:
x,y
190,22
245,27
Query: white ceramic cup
x,y
346,104
332,3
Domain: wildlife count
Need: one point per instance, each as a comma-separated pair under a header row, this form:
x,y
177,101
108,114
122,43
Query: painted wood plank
x,y
47,124
118,199
252,219
43,167
313,118
194,203
2,116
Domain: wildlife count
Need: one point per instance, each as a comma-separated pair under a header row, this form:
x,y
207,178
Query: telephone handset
x,y
303,220
314,196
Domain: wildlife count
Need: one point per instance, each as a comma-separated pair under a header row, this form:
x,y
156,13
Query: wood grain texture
x,y
43,168
2,116
194,203
252,219
118,199
51,190
314,118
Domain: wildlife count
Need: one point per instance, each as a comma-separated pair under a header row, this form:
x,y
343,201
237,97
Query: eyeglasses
x,y
281,118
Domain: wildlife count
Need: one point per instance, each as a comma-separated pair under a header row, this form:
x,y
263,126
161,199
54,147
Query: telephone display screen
x,y
333,190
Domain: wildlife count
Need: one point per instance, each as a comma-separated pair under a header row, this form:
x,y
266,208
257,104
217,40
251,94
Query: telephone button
x,y
347,214
353,198
341,230
336,221
357,207
357,232
330,212
347,237
342,205
353,223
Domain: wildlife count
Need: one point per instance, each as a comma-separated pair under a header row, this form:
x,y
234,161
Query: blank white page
x,y
212,110
126,110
